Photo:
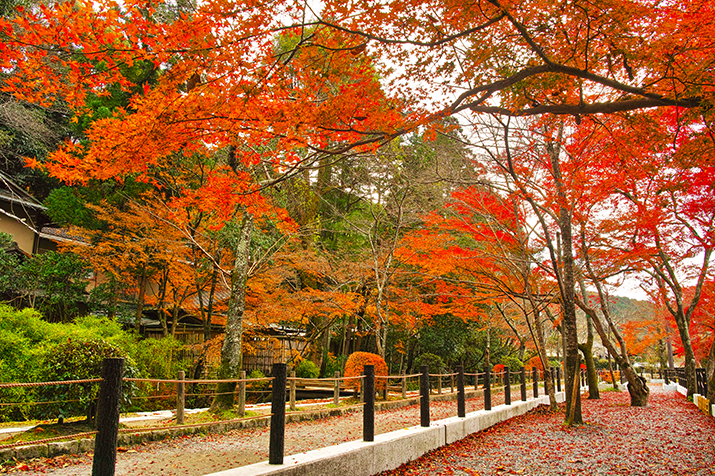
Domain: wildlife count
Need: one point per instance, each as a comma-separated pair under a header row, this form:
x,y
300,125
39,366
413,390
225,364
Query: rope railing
x,y
17,404
40,384
262,379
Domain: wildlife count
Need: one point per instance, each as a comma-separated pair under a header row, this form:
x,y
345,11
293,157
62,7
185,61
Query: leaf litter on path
x,y
669,437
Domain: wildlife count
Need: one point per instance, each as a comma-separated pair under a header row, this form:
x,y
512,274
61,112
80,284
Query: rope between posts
x,y
40,384
37,403
266,379
48,440
149,397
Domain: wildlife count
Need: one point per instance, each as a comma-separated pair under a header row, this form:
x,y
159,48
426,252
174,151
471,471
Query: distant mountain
x,y
626,309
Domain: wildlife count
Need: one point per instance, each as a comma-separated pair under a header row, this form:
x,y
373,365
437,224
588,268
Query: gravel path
x,y
669,437
200,455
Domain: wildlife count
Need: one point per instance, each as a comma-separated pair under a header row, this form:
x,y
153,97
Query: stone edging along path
x,y
389,450
74,446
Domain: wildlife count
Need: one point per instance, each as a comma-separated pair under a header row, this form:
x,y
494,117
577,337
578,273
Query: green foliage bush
x,y
334,364
512,362
53,283
435,363
76,360
307,369
30,347
254,390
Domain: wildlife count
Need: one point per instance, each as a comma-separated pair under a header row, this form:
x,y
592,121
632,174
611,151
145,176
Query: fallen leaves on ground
x,y
669,437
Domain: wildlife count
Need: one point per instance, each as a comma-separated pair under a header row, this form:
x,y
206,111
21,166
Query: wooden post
x,y
291,385
242,393
535,378
487,389
276,444
461,407
451,383
336,388
439,384
507,386
180,398
404,387
368,410
110,392
424,395
522,379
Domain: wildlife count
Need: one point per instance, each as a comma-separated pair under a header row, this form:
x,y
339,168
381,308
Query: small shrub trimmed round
x,y
354,368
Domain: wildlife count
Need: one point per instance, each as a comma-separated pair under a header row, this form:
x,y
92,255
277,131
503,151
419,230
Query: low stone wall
x,y
389,450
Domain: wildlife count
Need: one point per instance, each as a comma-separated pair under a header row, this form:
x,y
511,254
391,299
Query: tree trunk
x,y
684,331
174,320
488,348
570,334
587,351
637,387
710,374
610,370
567,283
140,299
208,312
231,352
591,374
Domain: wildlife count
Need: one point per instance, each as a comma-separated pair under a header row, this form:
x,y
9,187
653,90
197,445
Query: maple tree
x,y
222,82
659,215
478,257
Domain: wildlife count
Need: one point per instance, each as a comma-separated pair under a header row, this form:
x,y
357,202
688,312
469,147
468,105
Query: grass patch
x,y
208,417
52,430
610,389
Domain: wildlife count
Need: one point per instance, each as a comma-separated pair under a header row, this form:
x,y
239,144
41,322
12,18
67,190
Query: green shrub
x,y
255,391
513,363
334,364
435,363
76,360
307,369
